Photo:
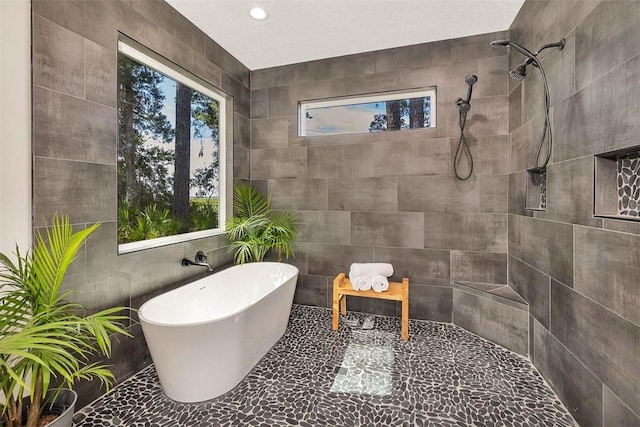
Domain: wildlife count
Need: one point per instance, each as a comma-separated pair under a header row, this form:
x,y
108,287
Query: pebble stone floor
x,y
361,375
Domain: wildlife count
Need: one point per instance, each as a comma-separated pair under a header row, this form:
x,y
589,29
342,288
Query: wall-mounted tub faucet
x,y
200,259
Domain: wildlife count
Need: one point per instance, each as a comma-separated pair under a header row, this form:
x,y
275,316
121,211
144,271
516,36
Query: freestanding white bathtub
x,y
206,336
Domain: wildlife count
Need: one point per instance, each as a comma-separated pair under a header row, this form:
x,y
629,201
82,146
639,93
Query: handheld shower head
x,y
471,79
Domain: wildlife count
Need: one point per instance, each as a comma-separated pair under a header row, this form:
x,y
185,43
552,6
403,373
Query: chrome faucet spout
x,y
200,260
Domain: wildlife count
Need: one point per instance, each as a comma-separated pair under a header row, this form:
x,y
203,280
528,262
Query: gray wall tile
x,y
341,160
515,108
488,116
493,193
548,246
84,191
270,133
606,270
241,94
279,163
58,58
415,156
330,259
420,266
350,65
479,267
241,131
299,194
614,98
605,343
240,163
430,303
556,19
616,413
497,322
100,74
69,128
223,59
313,290
373,306
606,39
437,193
279,76
363,194
466,231
259,103
514,235
325,227
573,382
283,101
533,286
517,194
490,154
396,229
465,48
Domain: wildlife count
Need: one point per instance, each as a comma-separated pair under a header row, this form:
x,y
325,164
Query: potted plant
x,y
46,341
255,229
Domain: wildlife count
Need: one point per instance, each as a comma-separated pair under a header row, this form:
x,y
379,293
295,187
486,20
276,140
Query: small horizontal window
x,y
379,112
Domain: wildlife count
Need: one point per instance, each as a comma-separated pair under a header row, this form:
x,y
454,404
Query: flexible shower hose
x,y
463,148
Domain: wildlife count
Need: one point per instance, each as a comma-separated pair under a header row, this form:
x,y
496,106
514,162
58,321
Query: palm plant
x,y
255,229
43,338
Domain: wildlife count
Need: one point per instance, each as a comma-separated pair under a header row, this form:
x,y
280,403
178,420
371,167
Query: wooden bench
x,y
396,292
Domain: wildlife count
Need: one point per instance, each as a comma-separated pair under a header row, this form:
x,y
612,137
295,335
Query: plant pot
x,y
63,407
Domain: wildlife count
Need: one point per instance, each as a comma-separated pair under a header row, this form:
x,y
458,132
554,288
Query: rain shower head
x,y
471,79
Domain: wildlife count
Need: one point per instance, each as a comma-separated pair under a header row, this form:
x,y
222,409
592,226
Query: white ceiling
x,y
304,30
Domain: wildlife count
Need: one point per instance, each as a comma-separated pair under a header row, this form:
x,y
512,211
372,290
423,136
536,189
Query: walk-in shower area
x,y
363,375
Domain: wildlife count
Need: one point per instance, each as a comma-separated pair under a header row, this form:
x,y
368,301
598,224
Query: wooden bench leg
x,y
343,305
405,309
336,300
336,318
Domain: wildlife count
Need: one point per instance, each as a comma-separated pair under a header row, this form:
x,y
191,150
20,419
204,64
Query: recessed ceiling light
x,y
258,13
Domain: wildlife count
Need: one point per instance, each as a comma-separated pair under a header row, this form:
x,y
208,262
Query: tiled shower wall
x,y
74,145
392,196
579,274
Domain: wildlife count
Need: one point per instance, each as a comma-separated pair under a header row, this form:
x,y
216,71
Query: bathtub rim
x,y
205,322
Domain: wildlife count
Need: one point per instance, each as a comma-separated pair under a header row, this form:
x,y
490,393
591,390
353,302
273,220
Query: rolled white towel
x,y
371,269
361,283
379,283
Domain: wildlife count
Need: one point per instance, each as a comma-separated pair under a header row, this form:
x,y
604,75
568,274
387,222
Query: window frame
x,y
151,59
305,105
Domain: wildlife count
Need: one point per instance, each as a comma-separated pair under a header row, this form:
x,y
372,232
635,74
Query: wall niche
x,y
617,184
536,190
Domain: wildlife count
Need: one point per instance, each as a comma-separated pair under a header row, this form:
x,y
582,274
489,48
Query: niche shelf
x,y
536,190
617,184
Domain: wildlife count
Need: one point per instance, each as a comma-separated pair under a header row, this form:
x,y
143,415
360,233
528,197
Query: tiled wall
x,y
391,197
74,144
579,273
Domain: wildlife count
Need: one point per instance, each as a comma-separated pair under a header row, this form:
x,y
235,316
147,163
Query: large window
x,y
171,152
368,113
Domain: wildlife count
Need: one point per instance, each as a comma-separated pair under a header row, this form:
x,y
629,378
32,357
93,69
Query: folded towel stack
x,y
366,276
